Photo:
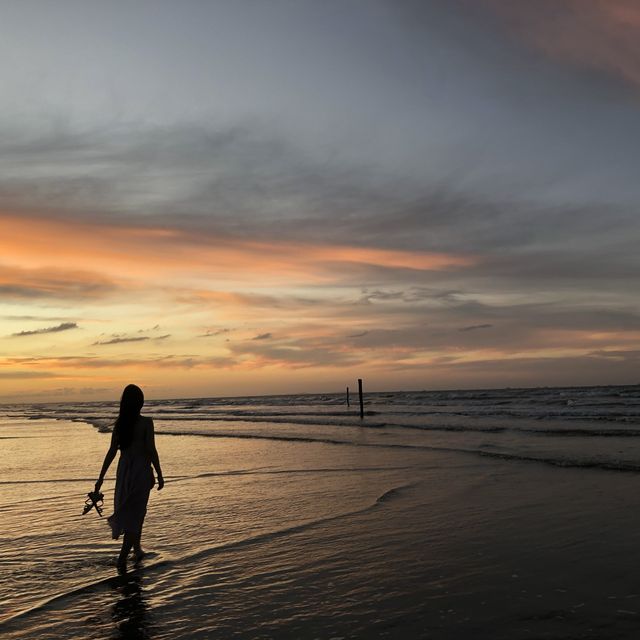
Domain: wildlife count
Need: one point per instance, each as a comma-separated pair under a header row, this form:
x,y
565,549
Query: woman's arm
x,y
153,454
108,459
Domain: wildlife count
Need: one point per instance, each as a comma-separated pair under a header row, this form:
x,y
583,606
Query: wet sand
x,y
276,539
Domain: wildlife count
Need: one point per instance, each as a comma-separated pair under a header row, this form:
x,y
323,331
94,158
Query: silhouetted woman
x,y
133,435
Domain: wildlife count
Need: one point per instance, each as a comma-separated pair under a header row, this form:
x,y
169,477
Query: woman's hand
x,y
160,482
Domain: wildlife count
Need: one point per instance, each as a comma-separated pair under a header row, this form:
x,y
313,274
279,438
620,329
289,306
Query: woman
x,y
133,435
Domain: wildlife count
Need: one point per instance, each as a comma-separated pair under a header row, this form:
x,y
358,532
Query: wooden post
x,y
348,403
361,401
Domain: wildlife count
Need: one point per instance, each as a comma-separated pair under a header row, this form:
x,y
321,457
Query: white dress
x,y
134,481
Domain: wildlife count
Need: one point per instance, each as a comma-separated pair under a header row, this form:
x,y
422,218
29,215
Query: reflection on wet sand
x,y
130,612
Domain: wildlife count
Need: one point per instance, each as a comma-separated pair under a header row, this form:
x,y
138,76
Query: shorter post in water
x,y
361,401
348,403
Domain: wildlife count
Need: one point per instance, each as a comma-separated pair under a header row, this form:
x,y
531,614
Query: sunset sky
x,y
240,197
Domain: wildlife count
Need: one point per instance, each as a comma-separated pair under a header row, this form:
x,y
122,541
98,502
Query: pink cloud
x,y
594,34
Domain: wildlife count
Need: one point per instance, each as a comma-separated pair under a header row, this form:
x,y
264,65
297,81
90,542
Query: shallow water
x,y
294,530
574,426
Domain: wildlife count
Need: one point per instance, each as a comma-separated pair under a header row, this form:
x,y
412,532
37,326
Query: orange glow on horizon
x,y
185,314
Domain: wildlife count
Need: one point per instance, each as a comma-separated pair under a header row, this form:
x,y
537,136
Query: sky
x,y
246,197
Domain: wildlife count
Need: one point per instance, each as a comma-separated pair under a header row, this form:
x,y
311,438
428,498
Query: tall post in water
x,y
348,403
361,401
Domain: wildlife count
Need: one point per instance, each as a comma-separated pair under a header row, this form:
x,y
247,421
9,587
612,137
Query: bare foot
x,y
138,555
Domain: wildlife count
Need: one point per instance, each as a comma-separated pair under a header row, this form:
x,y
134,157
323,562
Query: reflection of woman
x,y
133,435
130,609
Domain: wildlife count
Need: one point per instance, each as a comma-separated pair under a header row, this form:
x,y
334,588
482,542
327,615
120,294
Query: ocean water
x,y
491,514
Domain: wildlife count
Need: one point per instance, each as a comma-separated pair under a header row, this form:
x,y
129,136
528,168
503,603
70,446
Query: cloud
x,y
214,332
37,318
119,339
475,327
352,270
154,328
80,393
567,370
25,284
596,34
162,256
226,174
628,355
79,363
292,354
64,326
20,375
252,203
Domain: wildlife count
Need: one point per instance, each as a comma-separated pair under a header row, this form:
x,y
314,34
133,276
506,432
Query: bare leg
x,y
127,543
138,552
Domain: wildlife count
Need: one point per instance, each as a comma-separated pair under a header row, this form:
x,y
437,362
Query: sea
x,y
482,514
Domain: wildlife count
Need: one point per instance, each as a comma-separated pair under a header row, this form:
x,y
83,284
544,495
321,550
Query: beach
x,y
495,514
233,218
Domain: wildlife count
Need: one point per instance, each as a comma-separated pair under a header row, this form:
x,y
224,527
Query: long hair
x,y
130,405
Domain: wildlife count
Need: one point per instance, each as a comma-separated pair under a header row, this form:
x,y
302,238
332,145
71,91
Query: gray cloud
x,y
121,340
239,179
64,326
428,327
589,369
187,361
214,332
482,148
475,327
458,137
601,36
154,328
423,319
294,354
32,284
